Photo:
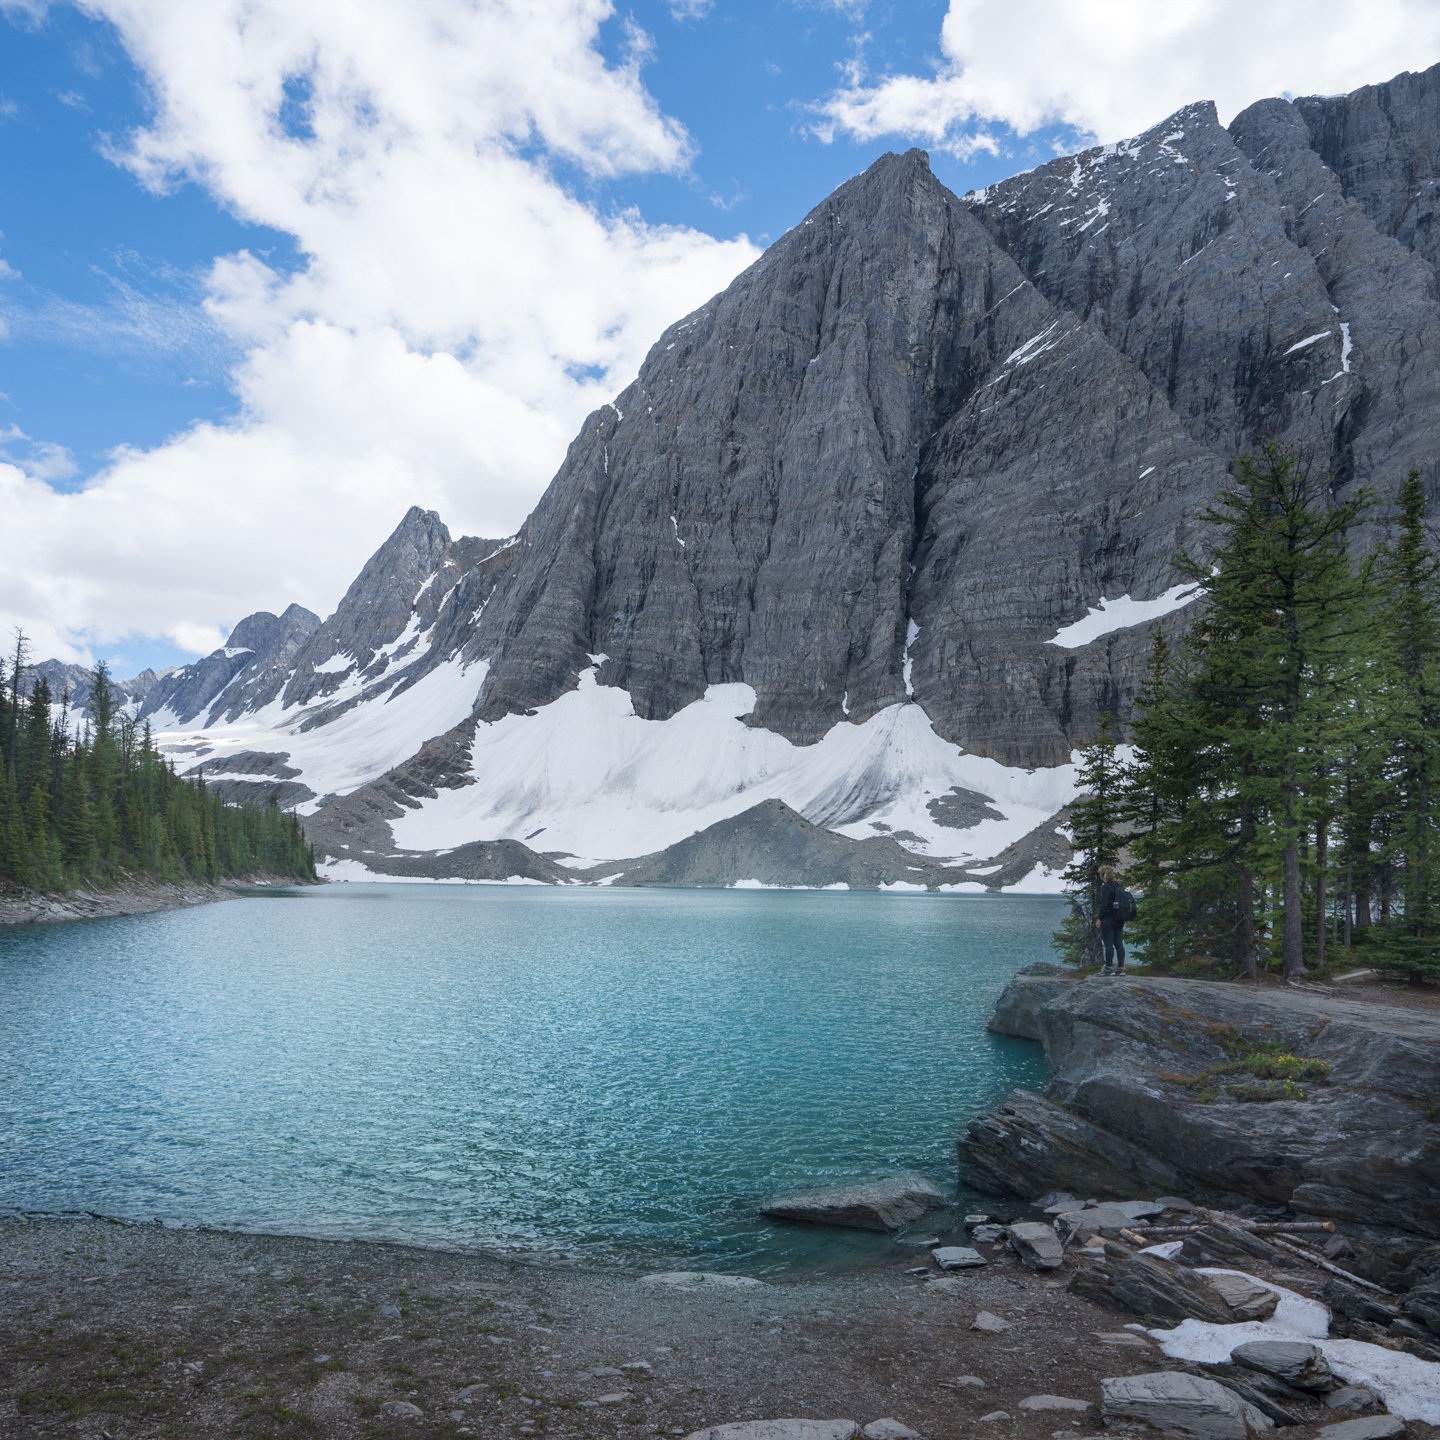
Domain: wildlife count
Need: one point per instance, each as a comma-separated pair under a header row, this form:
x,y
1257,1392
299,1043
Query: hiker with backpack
x,y
1116,905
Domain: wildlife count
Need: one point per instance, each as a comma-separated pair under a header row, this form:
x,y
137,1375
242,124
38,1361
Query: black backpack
x,y
1125,906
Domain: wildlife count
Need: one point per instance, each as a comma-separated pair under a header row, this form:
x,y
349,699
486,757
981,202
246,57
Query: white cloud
x,y
1112,68
457,313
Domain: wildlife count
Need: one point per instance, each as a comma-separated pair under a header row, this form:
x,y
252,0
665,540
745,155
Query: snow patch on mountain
x,y
601,782
348,751
1111,615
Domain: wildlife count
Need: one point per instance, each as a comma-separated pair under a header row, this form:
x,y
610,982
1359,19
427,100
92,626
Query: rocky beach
x,y
1049,1316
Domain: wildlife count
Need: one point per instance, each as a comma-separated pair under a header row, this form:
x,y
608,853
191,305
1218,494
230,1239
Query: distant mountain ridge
x,y
828,549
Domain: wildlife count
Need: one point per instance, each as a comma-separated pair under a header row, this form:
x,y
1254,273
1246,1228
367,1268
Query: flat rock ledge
x,y
1131,1108
888,1204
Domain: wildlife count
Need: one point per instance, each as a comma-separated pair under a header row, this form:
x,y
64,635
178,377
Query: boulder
x,y
888,1204
1180,1404
989,1324
1422,1305
1354,1398
1229,1244
889,1430
402,1410
1264,1394
958,1257
988,1234
1296,1362
780,1430
1369,1427
1148,1285
1248,1300
1038,1246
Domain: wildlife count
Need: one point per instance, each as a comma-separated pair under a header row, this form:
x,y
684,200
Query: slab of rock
x,y
1263,1394
1140,1209
1248,1300
889,1430
1181,1404
990,1324
1107,1220
1038,1246
996,1415
1369,1427
1352,1397
1296,1362
888,1204
616,1397
402,1410
1148,1285
969,1380
958,1257
987,1234
780,1430
1053,1402
1218,1241
1054,1201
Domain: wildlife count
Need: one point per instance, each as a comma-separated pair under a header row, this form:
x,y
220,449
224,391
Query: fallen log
x,y
1314,1259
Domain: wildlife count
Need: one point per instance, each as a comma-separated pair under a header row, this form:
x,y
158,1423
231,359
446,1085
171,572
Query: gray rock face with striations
x,y
1119,1116
936,429
921,435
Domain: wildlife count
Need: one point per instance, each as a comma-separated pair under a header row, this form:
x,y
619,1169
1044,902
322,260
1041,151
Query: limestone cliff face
x,y
917,439
923,433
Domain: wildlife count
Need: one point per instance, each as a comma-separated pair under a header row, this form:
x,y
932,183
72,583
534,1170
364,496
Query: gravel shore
x,y
134,895
118,1330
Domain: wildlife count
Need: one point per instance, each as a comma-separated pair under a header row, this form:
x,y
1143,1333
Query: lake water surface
x,y
606,1074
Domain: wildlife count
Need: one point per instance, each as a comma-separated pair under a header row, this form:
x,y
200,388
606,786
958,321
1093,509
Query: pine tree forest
x,y
92,802
1274,808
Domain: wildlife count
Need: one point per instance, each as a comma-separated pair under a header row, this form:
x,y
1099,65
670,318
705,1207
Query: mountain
x,y
879,531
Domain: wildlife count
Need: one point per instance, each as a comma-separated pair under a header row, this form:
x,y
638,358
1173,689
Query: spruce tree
x,y
1095,841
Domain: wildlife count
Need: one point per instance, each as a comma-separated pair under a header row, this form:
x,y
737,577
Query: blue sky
x,y
275,281
111,351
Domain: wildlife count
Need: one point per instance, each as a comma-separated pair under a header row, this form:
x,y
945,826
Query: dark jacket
x,y
1109,903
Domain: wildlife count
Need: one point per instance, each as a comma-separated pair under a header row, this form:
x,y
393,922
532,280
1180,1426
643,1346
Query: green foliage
x,y
1285,758
1094,821
90,804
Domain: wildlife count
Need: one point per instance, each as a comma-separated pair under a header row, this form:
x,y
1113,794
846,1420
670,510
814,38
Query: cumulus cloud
x,y
460,306
1111,68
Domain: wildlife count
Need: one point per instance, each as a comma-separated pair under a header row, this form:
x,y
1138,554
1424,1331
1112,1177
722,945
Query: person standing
x,y
1110,921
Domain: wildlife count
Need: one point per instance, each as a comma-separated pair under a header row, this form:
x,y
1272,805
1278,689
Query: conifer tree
x,y
1095,841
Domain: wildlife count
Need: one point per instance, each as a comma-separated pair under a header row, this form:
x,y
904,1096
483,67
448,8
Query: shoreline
x,y
133,896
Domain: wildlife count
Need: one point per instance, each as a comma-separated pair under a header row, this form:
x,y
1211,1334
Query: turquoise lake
x,y
605,1075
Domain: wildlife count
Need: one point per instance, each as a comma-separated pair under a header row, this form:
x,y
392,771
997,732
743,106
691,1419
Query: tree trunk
x,y
1349,902
1322,920
1293,945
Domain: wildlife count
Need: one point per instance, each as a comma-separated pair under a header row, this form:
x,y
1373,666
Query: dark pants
x,y
1112,937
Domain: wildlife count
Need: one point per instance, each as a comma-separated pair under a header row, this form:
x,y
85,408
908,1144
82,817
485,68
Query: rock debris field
x,y
112,1330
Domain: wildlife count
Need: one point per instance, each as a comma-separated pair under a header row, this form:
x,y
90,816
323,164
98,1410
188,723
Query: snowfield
x,y
587,776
